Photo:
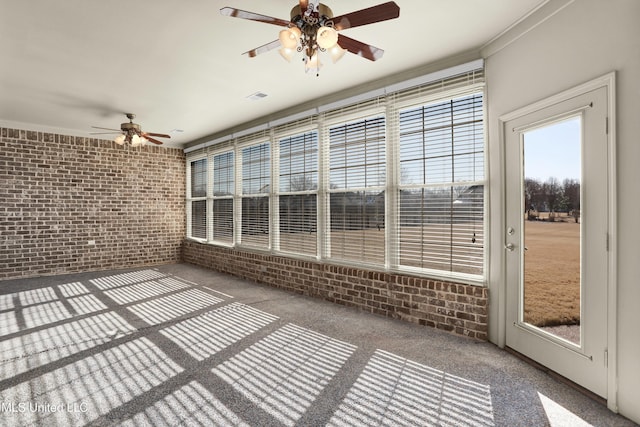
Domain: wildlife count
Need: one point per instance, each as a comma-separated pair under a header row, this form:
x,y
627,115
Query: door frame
x,y
607,81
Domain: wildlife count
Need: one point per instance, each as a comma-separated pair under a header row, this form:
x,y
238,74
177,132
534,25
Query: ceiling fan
x,y
131,133
313,28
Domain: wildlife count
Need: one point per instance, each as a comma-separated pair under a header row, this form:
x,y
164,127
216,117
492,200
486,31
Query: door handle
x,y
510,247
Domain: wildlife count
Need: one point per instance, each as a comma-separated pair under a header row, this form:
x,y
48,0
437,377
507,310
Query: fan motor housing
x,y
126,127
323,10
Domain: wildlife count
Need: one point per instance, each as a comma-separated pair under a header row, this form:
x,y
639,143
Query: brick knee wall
x,y
70,204
453,307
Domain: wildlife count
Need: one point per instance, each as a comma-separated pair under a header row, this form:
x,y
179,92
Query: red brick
x,y
457,310
60,195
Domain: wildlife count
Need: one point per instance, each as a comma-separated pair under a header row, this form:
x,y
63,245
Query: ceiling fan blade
x,y
262,49
115,130
102,133
155,141
160,135
243,14
303,6
367,51
381,12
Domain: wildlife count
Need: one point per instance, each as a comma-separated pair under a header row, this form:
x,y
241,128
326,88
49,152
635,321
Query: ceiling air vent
x,y
257,96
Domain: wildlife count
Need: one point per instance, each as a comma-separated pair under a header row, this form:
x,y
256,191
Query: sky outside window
x,y
553,151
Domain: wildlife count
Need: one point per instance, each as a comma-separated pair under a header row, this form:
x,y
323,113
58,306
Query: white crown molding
x,y
533,19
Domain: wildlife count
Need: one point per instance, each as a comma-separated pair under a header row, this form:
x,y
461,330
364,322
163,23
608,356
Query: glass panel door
x,y
556,254
551,224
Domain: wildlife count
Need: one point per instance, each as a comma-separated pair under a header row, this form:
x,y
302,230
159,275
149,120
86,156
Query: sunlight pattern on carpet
x,y
93,385
190,405
205,335
285,372
394,391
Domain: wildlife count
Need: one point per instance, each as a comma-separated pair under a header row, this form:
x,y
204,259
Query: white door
x,y
556,237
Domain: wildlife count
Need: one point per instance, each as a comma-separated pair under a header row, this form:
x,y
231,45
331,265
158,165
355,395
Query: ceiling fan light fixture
x,y
289,37
135,140
337,53
295,31
132,133
314,28
313,63
287,53
327,37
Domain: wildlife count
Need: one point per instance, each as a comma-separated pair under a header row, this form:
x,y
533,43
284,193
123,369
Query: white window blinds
x,y
256,187
298,189
357,179
198,199
223,192
441,218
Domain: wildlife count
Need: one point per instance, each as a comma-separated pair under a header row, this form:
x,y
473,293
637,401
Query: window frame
x,y
371,114
443,97
322,123
213,237
278,192
246,196
190,200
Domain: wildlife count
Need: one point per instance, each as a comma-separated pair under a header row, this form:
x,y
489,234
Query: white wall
x,y
578,41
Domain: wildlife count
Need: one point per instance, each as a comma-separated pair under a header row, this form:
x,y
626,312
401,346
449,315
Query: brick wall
x,y
454,307
59,192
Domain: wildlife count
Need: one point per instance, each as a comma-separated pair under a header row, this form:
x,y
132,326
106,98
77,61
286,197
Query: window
x,y
395,182
298,189
256,186
441,218
357,182
223,192
198,199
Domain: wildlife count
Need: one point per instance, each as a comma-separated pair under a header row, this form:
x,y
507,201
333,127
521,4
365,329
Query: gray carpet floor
x,y
181,345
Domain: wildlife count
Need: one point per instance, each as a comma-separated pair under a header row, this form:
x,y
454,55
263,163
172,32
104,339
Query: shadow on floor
x,y
179,344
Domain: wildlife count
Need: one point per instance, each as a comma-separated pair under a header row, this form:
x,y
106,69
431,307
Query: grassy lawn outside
x,y
552,272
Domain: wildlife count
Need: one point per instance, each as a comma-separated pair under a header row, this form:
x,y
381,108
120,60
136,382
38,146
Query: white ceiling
x,y
67,65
